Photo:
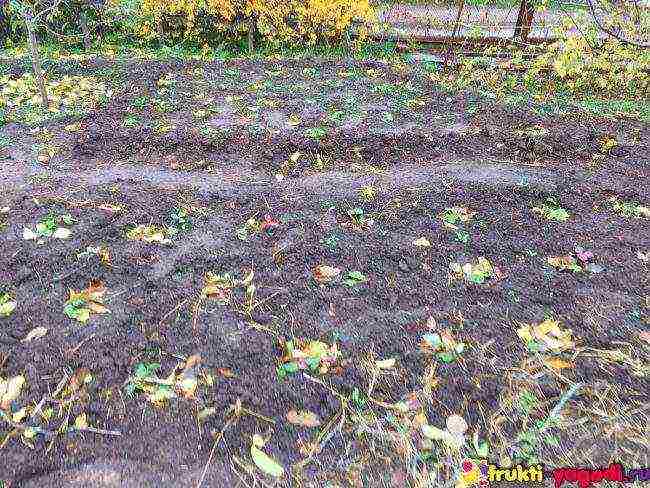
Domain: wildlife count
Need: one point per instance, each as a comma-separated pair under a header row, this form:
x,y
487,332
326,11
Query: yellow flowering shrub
x,y
614,68
305,21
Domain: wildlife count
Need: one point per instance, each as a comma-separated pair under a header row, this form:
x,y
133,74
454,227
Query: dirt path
x,y
364,187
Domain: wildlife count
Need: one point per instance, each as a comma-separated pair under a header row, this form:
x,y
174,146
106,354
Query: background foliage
x,y
276,21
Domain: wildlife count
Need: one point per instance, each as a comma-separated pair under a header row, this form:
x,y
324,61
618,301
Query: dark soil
x,y
455,150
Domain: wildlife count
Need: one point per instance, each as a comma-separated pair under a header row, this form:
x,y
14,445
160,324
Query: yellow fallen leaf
x,y
548,334
558,364
187,381
422,242
19,415
81,422
10,390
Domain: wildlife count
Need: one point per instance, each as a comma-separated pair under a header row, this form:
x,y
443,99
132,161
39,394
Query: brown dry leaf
x,y
645,336
303,418
558,364
95,291
226,372
79,379
110,207
325,274
97,307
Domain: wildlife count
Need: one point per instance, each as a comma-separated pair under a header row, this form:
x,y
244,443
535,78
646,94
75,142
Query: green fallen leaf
x,y
76,312
7,305
67,219
264,462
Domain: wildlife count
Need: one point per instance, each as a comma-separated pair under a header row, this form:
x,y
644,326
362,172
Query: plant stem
x,y
36,60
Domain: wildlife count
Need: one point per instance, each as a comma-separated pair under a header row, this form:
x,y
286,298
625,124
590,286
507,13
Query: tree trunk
x,y
461,6
36,60
251,26
524,20
85,31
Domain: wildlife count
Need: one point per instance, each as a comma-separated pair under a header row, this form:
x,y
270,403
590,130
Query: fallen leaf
x,y
187,381
36,333
29,234
97,308
79,380
149,233
385,363
558,364
80,304
10,390
81,422
95,291
434,433
456,424
62,233
19,415
422,242
225,372
267,464
303,418
325,274
206,412
7,307
548,335
645,336
110,208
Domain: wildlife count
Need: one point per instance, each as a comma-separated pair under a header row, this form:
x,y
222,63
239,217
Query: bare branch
x,y
611,33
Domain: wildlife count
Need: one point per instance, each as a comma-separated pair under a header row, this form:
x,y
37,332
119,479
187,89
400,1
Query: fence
x,y
485,21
